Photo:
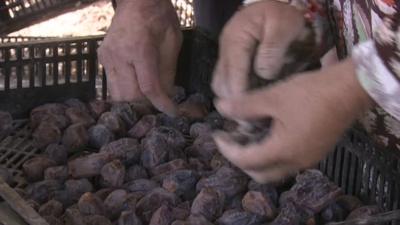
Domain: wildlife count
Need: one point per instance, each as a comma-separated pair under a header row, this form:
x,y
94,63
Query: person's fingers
x,y
169,53
250,157
272,174
276,40
148,75
121,77
237,45
249,106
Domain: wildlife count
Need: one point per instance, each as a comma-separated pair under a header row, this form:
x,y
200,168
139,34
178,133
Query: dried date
x,y
124,111
143,126
142,186
58,153
43,191
97,108
51,208
56,173
259,204
208,203
112,122
182,183
96,220
363,212
127,150
46,133
88,166
227,180
34,168
76,188
74,217
162,216
114,203
112,174
77,104
238,217
266,189
90,204
76,115
6,176
200,129
100,135
75,137
129,218
135,172
53,220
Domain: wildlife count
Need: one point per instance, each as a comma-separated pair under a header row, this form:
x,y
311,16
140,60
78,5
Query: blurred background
x,y
92,20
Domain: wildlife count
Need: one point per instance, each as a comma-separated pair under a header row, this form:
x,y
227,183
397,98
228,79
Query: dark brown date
x,y
112,174
34,168
208,203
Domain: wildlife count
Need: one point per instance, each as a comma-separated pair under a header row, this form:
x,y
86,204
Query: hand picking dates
x,y
115,163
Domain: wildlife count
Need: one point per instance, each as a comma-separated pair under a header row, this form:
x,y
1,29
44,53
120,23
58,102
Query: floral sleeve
x,y
378,65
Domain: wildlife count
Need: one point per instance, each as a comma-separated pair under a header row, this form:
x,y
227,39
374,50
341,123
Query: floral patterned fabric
x,y
369,32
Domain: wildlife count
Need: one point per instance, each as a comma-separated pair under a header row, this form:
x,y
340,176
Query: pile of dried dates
x,y
123,163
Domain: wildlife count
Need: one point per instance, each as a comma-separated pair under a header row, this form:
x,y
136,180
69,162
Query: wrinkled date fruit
x,y
135,172
313,190
112,122
103,193
75,137
266,189
129,218
162,216
100,135
143,126
181,211
227,180
53,220
87,166
192,110
42,191
76,188
90,204
125,112
204,148
96,220
169,167
76,115
208,203
182,183
153,200
363,212
112,174
34,168
56,173
180,123
58,153
74,217
235,216
51,208
97,108
114,203
127,150
45,134
38,114
197,220
260,204
142,186
77,104
333,213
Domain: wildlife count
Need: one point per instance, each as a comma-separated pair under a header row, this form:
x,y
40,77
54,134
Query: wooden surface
x,y
19,205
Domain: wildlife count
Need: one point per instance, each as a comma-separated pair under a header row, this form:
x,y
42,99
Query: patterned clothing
x,y
369,32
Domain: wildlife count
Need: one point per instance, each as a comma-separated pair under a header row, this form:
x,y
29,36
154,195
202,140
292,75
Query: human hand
x,y
140,52
310,111
262,31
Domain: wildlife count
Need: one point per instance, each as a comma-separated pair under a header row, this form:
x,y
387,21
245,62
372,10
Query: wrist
x,y
352,95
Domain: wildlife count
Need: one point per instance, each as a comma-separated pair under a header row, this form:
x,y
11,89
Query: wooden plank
x,y
9,216
19,205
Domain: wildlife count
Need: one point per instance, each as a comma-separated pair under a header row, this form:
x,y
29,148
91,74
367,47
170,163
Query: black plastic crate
x,y
40,71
